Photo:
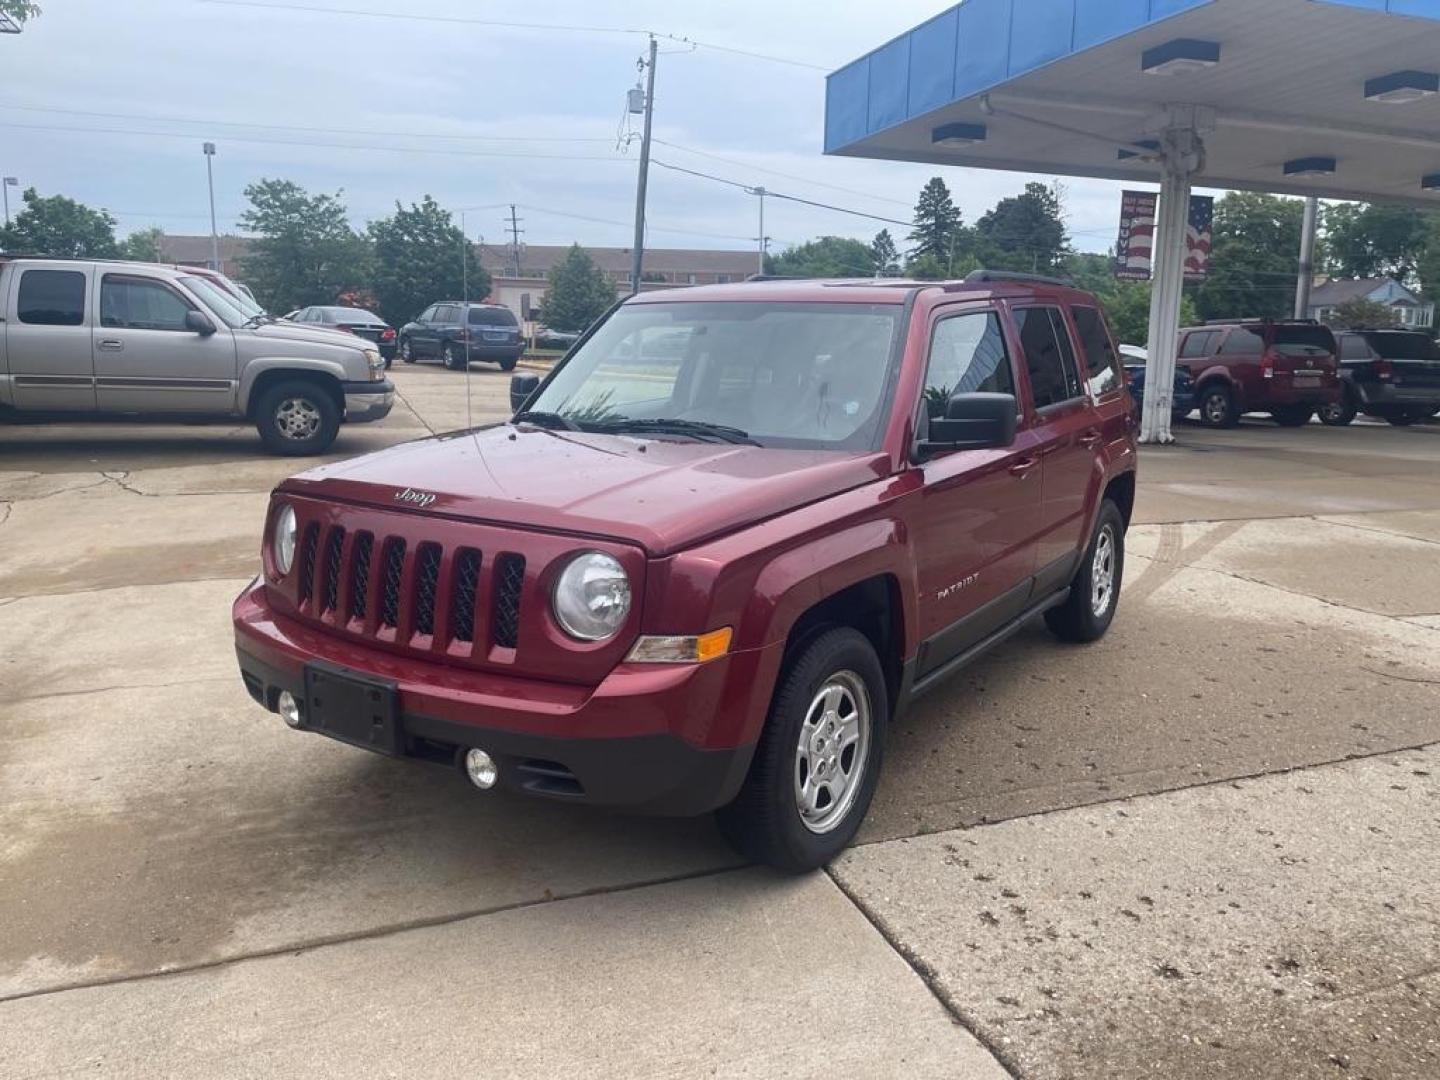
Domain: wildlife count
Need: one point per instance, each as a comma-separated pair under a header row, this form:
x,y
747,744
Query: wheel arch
x,y
273,376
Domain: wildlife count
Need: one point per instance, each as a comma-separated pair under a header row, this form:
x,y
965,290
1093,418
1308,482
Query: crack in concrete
x,y
119,686
416,412
240,583
1382,532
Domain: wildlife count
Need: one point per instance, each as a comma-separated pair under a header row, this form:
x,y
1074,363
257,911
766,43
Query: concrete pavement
x,y
1280,613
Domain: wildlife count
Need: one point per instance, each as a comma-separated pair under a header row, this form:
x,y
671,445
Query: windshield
x,y
492,317
811,375
1403,346
224,305
1303,341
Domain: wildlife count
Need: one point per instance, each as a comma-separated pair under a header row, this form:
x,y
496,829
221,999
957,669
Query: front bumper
x,y
614,745
368,401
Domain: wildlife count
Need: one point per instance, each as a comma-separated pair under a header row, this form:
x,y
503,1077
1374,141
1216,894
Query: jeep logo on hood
x,y
411,497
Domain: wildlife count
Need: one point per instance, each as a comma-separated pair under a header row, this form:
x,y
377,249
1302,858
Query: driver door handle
x,y
111,344
1022,467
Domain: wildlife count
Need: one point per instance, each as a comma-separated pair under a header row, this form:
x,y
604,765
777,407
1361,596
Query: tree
x,y
1024,232
938,224
59,226
827,257
579,292
1126,303
143,245
306,252
1255,257
1365,240
19,10
1361,314
884,255
418,255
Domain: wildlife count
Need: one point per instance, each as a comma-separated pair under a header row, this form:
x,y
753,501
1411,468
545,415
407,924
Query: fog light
x,y
480,767
288,708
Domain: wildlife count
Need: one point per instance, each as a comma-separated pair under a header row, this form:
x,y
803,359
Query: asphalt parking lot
x,y
1208,846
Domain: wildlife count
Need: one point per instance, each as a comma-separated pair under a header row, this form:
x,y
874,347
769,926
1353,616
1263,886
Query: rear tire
x,y
831,707
1095,591
1292,415
1340,414
450,357
297,418
1217,407
508,364
1405,419
407,351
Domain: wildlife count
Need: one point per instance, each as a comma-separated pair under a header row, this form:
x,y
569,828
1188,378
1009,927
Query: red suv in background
x,y
714,553
1287,369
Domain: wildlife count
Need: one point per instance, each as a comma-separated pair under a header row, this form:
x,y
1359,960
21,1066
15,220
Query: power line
x,y
510,25
779,195
303,130
777,172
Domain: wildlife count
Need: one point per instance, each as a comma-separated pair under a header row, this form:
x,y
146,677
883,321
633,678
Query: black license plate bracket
x,y
354,708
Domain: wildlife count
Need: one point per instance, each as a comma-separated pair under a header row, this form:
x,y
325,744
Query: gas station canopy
x,y
1335,98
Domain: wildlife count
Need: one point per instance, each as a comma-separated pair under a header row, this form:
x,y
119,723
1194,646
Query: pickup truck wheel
x,y
1095,591
1217,407
450,356
407,351
818,759
1338,414
1292,415
297,418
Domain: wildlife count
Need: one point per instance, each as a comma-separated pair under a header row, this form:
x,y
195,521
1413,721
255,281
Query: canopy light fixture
x,y
957,134
1310,166
1431,182
1148,144
1402,87
1180,56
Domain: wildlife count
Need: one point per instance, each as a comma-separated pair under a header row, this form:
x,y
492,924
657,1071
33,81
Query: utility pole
x,y
1307,258
638,251
514,241
464,263
214,235
760,191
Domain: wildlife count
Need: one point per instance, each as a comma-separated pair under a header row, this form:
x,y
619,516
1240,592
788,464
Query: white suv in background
x,y
92,337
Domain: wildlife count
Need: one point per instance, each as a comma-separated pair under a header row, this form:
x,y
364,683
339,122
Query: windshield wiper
x,y
695,428
545,419
258,318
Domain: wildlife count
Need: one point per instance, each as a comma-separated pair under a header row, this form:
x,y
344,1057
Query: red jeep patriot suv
x,y
715,551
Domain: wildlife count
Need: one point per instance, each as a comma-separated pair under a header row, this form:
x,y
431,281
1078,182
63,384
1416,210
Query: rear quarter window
x,y
1100,358
493,317
52,298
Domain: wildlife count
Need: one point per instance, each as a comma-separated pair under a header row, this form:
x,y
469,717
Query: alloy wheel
x,y
832,751
1102,572
297,419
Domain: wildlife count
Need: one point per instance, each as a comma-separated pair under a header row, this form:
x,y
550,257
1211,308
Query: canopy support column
x,y
1182,155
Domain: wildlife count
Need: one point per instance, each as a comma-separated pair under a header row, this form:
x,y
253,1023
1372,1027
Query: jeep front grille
x,y
333,550
462,607
506,612
427,573
390,583
360,575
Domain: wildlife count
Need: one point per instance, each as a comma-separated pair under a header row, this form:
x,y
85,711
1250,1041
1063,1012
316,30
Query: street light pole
x,y
5,186
214,235
760,191
637,259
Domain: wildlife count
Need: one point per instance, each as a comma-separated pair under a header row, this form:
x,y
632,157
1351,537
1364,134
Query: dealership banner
x,y
1198,237
1136,246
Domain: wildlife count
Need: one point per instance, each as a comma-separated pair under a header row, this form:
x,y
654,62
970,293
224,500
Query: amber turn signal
x,y
681,649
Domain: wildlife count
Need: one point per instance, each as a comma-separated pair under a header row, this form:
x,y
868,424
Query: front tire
x,y
818,760
1095,591
1217,407
297,418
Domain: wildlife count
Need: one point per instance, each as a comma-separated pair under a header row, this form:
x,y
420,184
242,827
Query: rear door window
x,y
52,298
1049,356
1100,357
967,355
140,304
1197,344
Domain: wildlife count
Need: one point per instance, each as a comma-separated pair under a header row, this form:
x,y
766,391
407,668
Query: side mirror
x,y
200,323
974,422
521,387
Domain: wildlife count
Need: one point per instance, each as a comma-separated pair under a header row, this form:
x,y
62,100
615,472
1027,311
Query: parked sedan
x,y
456,333
1183,396
351,320
1390,374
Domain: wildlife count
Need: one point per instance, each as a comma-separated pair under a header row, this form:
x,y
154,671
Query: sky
x,y
109,101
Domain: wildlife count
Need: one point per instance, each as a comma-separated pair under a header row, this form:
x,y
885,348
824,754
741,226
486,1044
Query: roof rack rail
x,y
980,277
779,277
1259,320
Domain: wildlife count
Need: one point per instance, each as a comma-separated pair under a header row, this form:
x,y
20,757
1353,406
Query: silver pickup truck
x,y
91,337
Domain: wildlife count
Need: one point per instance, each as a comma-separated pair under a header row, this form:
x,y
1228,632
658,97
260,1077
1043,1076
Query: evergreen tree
x,y
938,223
884,254
579,292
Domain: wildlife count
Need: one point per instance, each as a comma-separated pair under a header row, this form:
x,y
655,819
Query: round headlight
x,y
284,540
592,597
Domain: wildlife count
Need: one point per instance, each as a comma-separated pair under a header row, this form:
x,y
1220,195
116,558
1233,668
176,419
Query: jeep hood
x,y
661,493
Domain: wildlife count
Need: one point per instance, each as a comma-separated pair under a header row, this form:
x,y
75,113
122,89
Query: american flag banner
x,y
1136,245
1198,237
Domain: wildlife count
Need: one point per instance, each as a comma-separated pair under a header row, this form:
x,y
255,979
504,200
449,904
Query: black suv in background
x,y
455,333
1390,374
